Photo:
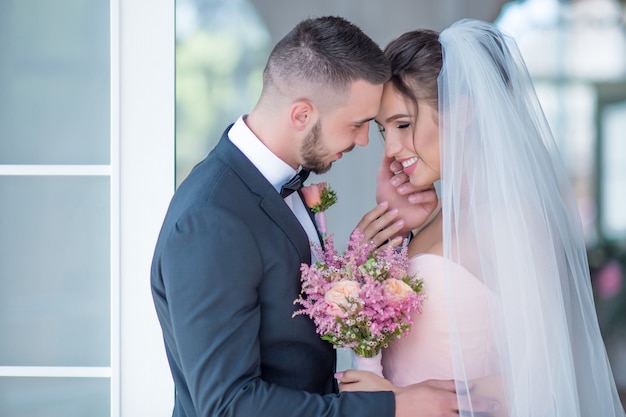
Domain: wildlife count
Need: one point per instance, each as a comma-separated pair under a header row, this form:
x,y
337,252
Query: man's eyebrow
x,y
367,120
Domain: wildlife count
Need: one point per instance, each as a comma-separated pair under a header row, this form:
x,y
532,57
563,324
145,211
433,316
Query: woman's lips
x,y
409,164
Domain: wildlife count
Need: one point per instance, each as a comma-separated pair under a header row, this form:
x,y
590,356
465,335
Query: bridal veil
x,y
510,218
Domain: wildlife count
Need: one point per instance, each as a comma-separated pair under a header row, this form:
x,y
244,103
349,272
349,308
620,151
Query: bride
x,y
510,313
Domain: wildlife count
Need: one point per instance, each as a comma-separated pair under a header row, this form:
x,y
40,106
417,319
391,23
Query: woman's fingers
x,y
353,380
386,235
372,215
380,224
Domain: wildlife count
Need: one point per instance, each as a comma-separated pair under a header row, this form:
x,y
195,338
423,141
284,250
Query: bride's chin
x,y
420,183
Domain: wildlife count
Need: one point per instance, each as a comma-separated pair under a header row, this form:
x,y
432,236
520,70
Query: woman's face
x,y
411,135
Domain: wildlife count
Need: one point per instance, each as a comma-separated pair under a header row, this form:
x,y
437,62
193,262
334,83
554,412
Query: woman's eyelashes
x,y
382,130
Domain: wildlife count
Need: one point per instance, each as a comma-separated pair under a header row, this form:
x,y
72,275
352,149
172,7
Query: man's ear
x,y
302,114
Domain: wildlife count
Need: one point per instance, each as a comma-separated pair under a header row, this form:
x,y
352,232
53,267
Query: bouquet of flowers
x,y
362,299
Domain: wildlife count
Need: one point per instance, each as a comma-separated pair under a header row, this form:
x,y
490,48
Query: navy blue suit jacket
x,y
225,273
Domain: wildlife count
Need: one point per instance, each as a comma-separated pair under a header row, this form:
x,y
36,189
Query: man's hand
x,y
432,398
415,204
426,399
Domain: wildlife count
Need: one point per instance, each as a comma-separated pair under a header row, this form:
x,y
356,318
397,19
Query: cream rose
x,y
338,295
396,288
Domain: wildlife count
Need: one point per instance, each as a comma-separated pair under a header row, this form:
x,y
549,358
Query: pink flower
x,y
362,299
609,280
319,197
397,289
313,194
338,296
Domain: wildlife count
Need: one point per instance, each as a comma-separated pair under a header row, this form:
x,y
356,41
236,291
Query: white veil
x,y
509,217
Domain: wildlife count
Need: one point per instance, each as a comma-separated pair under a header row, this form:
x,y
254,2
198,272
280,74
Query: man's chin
x,y
318,168
321,169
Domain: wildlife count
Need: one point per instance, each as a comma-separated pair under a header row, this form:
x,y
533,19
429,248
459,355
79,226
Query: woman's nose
x,y
392,147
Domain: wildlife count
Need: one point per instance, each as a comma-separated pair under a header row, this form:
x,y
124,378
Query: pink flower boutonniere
x,y
319,197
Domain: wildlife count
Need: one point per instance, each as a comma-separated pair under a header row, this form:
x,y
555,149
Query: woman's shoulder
x,y
437,270
436,260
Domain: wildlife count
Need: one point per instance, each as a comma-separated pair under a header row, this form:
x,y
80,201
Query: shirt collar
x,y
274,169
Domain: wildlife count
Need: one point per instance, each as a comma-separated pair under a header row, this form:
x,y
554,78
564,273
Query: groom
x,y
226,266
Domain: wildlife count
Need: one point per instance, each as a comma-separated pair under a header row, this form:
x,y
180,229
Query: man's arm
x,y
212,268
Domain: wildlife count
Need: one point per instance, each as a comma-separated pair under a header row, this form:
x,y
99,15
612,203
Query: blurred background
x,y
105,106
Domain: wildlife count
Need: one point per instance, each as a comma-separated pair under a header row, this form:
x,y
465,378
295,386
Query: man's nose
x,y
363,138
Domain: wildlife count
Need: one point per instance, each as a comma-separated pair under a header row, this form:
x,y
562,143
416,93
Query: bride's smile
x,y
411,134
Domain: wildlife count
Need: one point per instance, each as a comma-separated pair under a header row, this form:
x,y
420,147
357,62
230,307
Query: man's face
x,y
341,129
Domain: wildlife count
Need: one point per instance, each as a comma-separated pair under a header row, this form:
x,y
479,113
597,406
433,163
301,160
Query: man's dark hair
x,y
327,51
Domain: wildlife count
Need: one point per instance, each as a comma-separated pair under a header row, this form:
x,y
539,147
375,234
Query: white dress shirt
x,y
275,170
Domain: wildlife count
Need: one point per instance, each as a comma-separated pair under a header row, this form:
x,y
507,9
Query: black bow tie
x,y
295,183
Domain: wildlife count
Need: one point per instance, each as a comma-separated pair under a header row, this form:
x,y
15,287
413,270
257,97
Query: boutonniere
x,y
319,197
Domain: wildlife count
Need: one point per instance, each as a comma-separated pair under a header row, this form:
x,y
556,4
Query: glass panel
x,y
54,79
54,264
614,172
569,108
55,397
221,49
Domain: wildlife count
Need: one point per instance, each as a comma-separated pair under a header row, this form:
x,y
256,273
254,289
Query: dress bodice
x,y
426,352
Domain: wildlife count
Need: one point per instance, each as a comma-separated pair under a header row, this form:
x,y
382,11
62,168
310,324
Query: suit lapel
x,y
270,200
282,215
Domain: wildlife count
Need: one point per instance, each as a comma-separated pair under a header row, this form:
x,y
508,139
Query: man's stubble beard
x,y
312,151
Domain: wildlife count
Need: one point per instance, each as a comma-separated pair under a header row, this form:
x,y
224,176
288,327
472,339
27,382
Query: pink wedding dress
x,y
425,353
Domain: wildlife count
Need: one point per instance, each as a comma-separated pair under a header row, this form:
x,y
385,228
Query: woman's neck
x,y
429,238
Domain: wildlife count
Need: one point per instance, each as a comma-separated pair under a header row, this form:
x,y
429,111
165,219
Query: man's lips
x,y
340,154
